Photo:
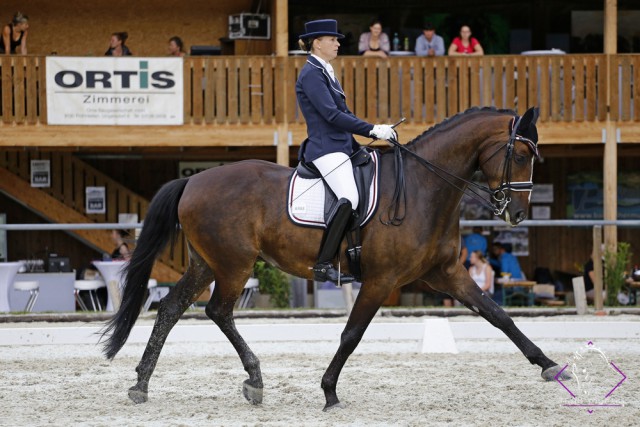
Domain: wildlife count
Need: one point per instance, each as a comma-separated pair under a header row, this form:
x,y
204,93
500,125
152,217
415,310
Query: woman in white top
x,y
481,272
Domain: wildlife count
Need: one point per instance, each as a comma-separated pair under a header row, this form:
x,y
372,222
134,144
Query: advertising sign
x,y
114,91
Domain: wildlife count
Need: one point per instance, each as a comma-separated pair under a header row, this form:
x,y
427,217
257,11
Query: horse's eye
x,y
520,159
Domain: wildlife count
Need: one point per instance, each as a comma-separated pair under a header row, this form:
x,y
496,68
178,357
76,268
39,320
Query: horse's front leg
x,y
465,290
365,307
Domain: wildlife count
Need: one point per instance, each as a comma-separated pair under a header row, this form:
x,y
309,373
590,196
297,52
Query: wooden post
x,y
596,256
282,78
610,166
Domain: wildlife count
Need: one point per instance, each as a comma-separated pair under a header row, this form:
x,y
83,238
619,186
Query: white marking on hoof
x,y
251,393
338,405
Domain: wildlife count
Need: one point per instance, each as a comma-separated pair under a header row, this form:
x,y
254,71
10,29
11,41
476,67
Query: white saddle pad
x,y
305,203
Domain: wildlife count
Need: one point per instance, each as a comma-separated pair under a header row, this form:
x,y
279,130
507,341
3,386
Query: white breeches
x,y
337,171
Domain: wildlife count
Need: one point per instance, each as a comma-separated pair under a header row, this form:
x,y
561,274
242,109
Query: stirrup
x,y
325,271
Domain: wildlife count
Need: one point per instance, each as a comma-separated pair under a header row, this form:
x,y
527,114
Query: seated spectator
x,y
481,272
465,44
14,35
589,276
475,242
117,45
429,43
508,262
176,47
374,42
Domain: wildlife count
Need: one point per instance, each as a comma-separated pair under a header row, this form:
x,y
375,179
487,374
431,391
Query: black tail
x,y
160,225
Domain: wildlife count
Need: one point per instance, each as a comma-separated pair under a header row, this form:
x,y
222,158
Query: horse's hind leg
x,y
469,294
220,310
187,289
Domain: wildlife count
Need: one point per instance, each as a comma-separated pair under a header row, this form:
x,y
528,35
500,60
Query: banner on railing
x,y
114,91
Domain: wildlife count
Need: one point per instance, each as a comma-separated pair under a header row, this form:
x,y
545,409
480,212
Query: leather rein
x,y
500,196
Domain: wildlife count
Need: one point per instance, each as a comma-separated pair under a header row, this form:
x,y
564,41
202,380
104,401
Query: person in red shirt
x,y
465,44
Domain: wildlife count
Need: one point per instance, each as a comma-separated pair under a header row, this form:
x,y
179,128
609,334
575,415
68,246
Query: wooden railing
x,y
261,89
69,178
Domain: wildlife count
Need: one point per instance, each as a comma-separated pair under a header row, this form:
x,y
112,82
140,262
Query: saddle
x,y
310,201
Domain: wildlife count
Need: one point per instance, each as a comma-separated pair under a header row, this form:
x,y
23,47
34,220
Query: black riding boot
x,y
324,269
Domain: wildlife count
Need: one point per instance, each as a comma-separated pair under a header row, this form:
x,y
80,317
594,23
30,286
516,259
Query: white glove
x,y
385,132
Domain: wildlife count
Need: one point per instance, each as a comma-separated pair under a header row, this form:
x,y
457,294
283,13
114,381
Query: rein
x,y
498,195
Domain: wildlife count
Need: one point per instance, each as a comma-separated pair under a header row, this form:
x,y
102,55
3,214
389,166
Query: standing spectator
x,y
117,45
176,47
475,242
465,44
481,272
508,262
375,42
429,43
14,35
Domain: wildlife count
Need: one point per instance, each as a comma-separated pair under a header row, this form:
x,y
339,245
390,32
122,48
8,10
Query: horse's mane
x,y
450,121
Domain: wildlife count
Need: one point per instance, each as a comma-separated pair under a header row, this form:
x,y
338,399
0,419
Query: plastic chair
x,y
250,288
92,287
33,287
154,292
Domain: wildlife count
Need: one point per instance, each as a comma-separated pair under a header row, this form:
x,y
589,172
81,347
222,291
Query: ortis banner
x,y
114,91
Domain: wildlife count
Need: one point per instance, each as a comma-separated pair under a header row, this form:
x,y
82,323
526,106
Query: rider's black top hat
x,y
321,27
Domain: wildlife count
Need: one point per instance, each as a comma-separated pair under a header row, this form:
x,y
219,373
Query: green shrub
x,y
615,265
272,282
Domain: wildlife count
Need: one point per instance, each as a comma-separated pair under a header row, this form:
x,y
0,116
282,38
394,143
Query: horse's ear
x,y
527,126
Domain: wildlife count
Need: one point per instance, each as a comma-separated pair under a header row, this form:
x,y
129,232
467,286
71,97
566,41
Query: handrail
x,y
463,223
250,89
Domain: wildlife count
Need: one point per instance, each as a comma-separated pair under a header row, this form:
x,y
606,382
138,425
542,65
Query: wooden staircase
x,y
64,201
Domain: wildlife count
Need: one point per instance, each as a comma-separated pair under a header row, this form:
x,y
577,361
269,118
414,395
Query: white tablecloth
x,y
111,273
8,271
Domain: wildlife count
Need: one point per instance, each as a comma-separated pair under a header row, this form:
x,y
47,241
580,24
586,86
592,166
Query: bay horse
x,y
234,214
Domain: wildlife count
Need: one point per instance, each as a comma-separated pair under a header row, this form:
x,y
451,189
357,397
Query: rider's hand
x,y
384,132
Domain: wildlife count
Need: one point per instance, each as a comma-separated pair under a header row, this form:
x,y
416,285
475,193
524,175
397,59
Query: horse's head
x,y
508,166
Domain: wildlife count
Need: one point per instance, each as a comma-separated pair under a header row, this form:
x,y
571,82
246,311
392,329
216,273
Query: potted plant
x,y
615,265
273,282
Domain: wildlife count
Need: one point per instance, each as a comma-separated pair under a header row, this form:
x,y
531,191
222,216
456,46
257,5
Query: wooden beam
x,y
611,27
167,137
282,27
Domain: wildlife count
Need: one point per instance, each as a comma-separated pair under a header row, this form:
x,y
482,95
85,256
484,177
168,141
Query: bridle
x,y
500,196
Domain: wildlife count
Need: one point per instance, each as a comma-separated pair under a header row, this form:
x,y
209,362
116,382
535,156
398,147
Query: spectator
x,y
14,35
121,250
508,262
465,44
481,272
176,47
117,45
375,42
475,242
429,43
589,276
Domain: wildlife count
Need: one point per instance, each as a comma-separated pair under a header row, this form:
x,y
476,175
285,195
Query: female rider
x,y
330,142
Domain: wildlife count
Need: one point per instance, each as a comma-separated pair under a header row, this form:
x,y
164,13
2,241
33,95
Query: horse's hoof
x,y
137,395
550,374
251,393
338,405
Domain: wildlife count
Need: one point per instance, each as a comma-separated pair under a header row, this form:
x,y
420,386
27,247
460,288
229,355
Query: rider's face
x,y
326,47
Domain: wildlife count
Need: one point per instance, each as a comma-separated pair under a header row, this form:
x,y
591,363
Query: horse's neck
x,y
454,151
